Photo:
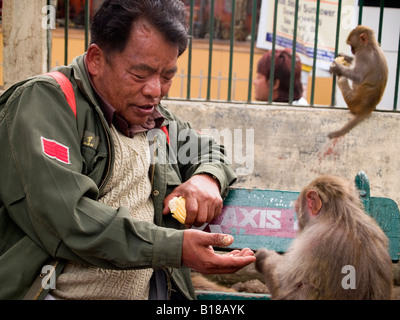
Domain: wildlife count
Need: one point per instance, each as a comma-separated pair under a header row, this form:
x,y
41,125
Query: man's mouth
x,y
146,107
145,110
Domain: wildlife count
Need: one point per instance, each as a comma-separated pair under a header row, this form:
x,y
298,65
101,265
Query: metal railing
x,y
67,26
251,44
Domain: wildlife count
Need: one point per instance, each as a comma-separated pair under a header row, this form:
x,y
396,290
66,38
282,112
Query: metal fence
x,y
207,79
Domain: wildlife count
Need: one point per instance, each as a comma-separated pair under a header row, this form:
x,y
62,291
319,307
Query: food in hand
x,y
177,207
342,61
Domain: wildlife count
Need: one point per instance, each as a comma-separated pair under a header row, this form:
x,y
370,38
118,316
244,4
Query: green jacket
x,y
53,167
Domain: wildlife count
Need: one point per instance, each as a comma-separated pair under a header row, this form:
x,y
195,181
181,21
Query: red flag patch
x,y
55,150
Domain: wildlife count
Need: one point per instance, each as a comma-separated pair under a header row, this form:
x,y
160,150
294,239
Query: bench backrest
x,y
258,218
385,211
266,218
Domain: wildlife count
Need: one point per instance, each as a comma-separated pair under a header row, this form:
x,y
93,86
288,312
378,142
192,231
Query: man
x,y
92,191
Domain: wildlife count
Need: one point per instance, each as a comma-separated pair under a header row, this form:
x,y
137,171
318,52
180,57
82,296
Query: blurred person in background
x,y
281,86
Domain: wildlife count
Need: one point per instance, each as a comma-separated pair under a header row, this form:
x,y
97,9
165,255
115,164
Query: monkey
x,y
368,72
339,252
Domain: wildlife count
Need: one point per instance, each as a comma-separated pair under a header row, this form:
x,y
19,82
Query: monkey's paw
x,y
261,256
335,68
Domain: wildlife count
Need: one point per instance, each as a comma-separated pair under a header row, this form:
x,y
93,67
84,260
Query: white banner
x,y
306,27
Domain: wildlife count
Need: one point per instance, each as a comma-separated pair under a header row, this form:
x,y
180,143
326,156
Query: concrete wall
x,y
25,40
291,146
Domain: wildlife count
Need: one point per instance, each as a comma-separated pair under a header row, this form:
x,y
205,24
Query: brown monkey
x,y
339,253
368,72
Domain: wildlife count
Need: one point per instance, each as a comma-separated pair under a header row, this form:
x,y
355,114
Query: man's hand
x,y
203,199
198,253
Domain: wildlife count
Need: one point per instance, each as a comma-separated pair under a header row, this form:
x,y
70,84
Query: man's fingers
x,y
221,240
229,263
241,253
197,253
192,208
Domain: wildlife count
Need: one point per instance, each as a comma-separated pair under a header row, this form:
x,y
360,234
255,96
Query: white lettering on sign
x,y
266,219
248,218
229,218
256,221
273,222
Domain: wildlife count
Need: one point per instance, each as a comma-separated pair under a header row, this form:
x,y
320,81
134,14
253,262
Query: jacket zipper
x,y
37,287
109,158
153,166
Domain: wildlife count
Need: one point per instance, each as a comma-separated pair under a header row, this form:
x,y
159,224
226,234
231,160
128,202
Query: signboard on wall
x,y
306,27
257,219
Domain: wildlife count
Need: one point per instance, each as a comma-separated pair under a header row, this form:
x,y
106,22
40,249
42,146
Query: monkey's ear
x,y
363,38
314,202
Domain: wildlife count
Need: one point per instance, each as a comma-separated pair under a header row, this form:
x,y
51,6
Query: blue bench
x,y
267,219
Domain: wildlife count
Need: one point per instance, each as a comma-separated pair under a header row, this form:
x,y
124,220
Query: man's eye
x,y
168,78
140,77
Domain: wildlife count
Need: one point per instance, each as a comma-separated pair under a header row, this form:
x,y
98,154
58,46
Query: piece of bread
x,y
341,60
177,207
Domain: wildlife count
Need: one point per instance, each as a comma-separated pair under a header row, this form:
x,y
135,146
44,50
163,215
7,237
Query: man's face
x,y
135,80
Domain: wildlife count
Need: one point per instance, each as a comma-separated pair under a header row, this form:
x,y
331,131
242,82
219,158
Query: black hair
x,y
111,25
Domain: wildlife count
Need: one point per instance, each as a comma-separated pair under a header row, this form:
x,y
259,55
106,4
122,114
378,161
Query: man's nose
x,y
152,88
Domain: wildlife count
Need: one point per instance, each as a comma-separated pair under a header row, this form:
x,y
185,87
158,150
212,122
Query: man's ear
x,y
314,203
94,59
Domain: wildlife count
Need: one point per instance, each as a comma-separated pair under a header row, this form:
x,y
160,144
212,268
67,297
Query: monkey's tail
x,y
348,126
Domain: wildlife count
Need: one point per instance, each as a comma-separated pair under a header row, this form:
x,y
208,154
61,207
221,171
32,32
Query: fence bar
x,y
382,3
339,12
360,11
189,75
396,86
231,50
87,23
315,53
48,43
272,66
292,72
211,32
66,6
253,32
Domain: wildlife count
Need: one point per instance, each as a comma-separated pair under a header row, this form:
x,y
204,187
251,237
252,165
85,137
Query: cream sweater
x,y
129,186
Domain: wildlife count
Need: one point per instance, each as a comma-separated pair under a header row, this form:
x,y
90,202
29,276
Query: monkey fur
x,y
368,72
334,233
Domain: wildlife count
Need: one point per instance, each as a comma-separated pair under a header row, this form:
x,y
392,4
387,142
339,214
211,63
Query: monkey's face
x,y
358,38
351,42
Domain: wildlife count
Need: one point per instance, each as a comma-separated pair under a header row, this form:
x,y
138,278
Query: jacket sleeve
x,y
46,194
